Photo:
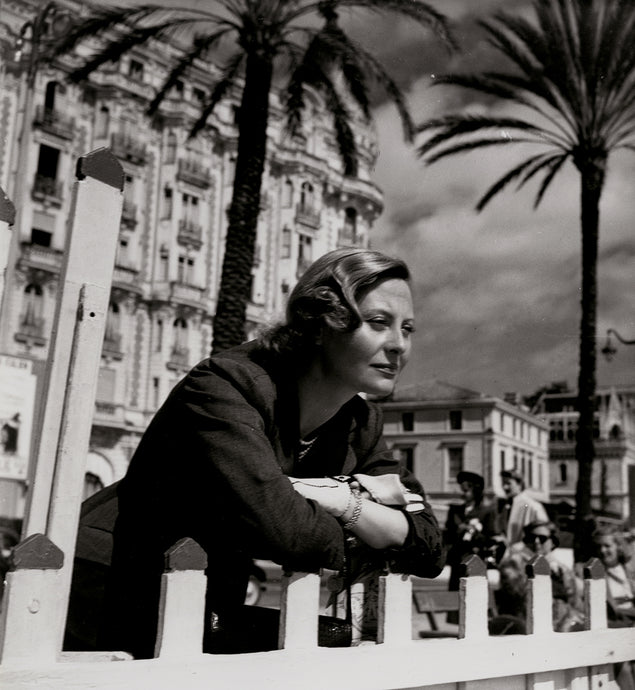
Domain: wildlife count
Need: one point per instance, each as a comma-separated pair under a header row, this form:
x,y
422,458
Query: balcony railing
x,y
125,277
190,233
307,215
194,173
43,258
186,294
48,189
54,122
126,147
108,413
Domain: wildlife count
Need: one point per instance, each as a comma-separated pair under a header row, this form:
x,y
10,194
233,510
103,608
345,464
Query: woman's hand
x,y
379,526
334,496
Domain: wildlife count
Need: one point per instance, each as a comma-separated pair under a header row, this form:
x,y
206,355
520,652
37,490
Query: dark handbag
x,y
256,628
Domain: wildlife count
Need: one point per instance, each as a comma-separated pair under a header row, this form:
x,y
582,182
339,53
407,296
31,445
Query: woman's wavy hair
x,y
623,554
327,295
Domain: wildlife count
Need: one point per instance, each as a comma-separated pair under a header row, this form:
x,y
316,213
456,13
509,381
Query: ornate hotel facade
x,y
170,245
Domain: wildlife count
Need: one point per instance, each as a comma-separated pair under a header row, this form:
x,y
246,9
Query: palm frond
x,y
114,50
200,46
345,56
502,182
537,163
222,86
342,123
458,125
511,87
100,20
553,168
473,145
421,12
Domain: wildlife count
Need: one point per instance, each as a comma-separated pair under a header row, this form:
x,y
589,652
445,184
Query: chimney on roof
x,y
512,398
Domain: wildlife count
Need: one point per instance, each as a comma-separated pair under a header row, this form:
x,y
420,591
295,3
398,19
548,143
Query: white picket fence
x,y
36,594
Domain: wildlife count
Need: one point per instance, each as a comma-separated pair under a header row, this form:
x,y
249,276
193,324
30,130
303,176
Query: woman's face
x,y
607,550
540,542
468,491
369,359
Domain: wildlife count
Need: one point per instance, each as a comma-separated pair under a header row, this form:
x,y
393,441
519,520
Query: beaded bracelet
x,y
357,510
348,503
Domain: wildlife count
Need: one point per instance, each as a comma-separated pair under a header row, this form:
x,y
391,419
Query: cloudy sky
x,y
496,293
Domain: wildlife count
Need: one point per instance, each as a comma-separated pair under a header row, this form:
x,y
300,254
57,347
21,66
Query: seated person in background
x,y
540,539
610,547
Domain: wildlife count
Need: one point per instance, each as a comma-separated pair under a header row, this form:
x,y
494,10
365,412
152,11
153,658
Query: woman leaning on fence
x,y
267,451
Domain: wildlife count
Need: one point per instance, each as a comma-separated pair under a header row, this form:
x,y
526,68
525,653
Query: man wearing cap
x,y
520,508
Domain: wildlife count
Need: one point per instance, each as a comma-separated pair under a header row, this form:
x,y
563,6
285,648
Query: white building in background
x,y
170,253
438,430
613,476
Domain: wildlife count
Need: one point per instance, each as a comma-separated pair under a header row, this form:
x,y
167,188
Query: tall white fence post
x,y
57,478
473,599
182,603
7,218
32,605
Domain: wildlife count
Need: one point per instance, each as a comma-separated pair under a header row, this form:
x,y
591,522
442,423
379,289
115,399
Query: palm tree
x,y
269,37
573,70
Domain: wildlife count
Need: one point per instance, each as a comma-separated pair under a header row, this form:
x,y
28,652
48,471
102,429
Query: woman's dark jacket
x,y
213,466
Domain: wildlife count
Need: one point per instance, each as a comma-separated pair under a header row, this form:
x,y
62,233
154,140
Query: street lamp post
x,y
609,350
35,31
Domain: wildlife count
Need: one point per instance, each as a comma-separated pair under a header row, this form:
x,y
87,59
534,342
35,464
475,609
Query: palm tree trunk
x,y
235,286
592,181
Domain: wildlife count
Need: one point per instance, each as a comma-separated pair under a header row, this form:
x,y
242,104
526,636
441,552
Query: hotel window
x,y
170,152
502,458
563,473
285,248
92,484
155,391
33,305
455,461
102,122
408,421
306,197
164,263
113,322
287,194
305,251
180,336
159,341
456,420
106,385
406,456
167,203
136,70
185,270
190,208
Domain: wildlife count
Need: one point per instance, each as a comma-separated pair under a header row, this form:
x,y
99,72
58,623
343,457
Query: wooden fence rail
x,y
36,593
